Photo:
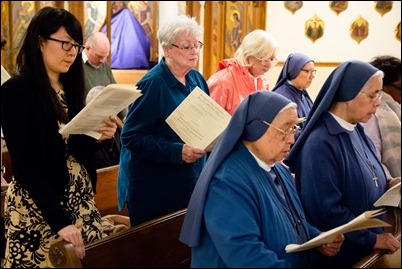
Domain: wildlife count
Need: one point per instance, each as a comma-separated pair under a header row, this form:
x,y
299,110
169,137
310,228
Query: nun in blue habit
x,y
338,175
244,209
298,68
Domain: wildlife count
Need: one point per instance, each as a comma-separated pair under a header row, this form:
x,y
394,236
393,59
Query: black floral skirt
x,y
29,237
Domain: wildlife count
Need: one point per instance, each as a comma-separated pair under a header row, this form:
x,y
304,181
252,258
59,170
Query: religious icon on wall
x,y
5,34
146,13
47,4
398,31
234,27
314,28
236,32
383,7
130,45
22,12
359,29
94,17
293,6
338,6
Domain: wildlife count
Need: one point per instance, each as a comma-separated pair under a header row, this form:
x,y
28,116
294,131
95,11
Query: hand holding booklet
x,y
199,120
364,221
110,101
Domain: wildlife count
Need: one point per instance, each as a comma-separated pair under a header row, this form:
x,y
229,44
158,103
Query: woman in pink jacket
x,y
237,77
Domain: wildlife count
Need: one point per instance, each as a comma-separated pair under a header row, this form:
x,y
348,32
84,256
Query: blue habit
x,y
257,223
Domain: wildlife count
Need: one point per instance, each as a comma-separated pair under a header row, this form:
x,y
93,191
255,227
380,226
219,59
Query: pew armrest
x,y
153,244
62,255
379,258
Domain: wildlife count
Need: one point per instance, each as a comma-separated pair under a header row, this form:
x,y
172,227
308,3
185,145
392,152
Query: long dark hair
x,y
45,22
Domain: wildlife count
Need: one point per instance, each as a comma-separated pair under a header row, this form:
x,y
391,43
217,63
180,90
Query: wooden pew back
x,y
6,161
106,191
378,258
153,244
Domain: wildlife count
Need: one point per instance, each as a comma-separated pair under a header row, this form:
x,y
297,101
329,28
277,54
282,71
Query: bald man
x,y
97,70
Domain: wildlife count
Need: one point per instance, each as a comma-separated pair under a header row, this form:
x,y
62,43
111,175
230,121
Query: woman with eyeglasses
x,y
237,77
51,196
245,209
384,128
296,76
158,170
337,172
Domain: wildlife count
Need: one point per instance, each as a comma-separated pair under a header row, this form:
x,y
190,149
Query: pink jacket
x,y
232,83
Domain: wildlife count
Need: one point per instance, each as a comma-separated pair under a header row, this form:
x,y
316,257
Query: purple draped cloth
x,y
130,45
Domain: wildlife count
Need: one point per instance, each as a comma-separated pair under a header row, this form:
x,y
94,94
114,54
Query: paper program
x,y
110,101
364,221
199,120
391,197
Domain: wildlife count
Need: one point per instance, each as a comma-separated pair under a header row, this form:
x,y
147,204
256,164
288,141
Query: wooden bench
x,y
153,244
128,76
106,194
379,258
6,161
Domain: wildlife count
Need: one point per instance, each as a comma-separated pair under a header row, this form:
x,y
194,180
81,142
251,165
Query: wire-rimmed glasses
x,y
374,96
271,61
185,46
310,72
291,131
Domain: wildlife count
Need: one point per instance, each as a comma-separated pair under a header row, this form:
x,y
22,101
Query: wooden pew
x,y
106,194
128,76
379,258
153,244
6,161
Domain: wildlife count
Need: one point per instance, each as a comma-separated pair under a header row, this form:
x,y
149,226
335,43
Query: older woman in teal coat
x,y
158,170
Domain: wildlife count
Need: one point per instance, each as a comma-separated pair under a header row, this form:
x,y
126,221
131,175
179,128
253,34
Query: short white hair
x,y
93,92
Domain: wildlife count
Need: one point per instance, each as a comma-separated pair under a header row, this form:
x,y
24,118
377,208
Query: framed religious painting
x,y
225,24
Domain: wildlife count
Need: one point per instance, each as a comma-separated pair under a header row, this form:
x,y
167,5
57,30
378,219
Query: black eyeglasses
x,y
67,45
188,47
310,72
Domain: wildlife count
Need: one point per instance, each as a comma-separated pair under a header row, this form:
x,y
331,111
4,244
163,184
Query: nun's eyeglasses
x,y
374,96
309,72
291,131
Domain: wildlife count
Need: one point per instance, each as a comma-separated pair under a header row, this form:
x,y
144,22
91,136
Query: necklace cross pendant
x,y
376,181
